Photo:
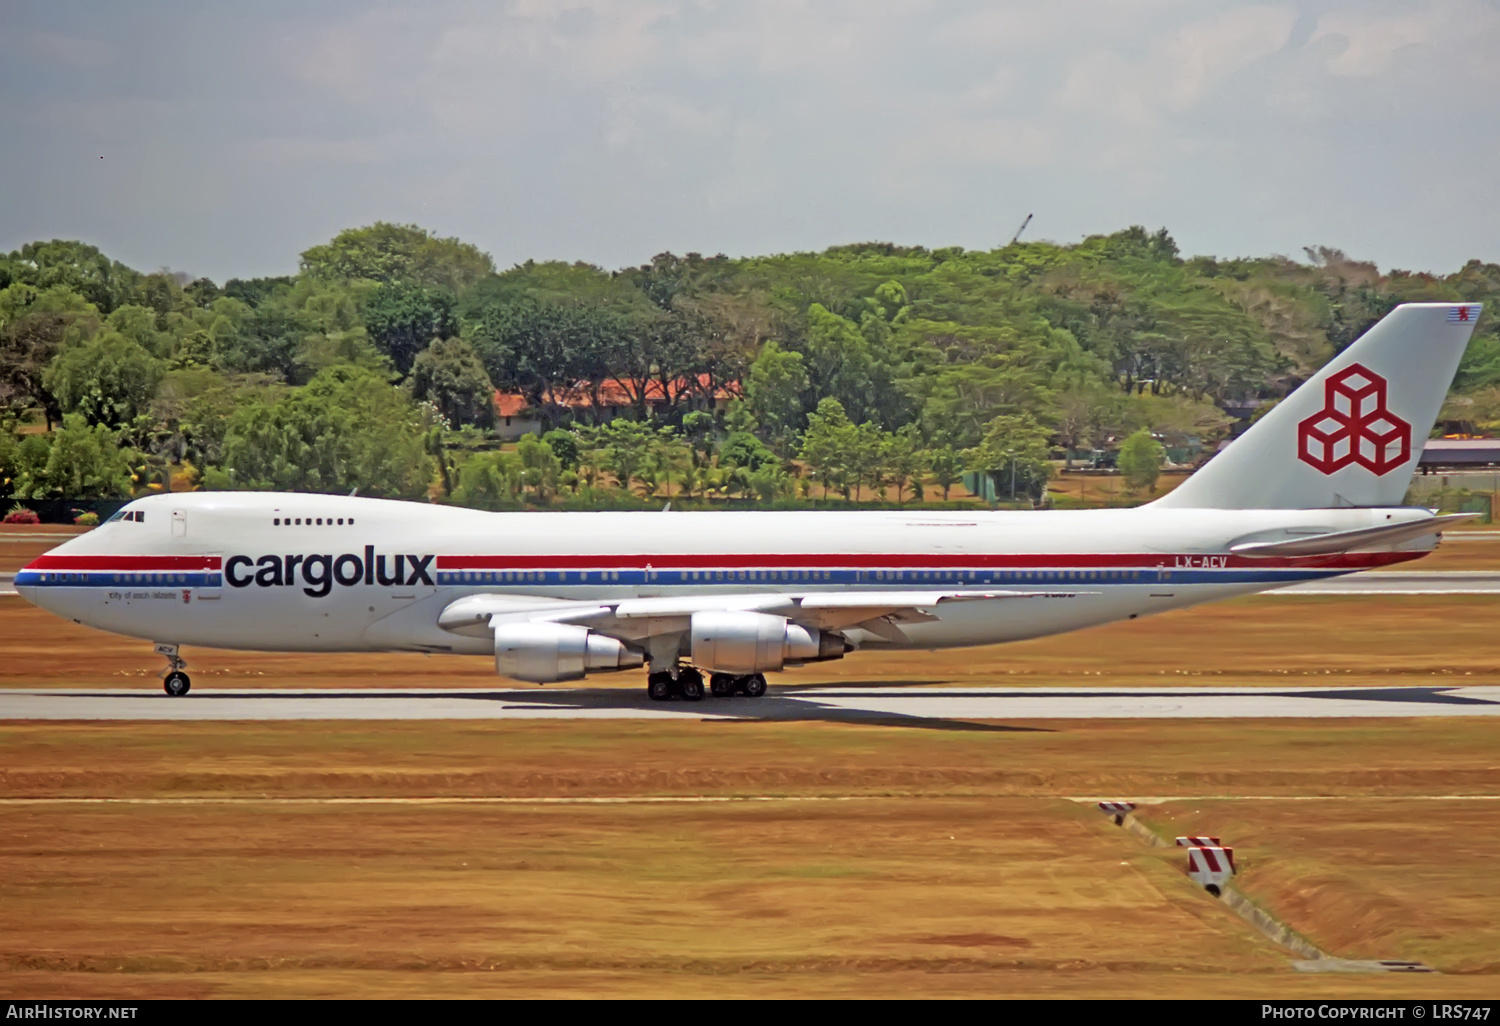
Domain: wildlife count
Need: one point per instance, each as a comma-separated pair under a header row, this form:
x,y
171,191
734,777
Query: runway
x,y
937,707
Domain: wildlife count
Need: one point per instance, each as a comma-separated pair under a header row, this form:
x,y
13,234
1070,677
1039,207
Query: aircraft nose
x,y
26,582
41,583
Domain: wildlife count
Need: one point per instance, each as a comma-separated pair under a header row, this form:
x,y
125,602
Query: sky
x,y
223,139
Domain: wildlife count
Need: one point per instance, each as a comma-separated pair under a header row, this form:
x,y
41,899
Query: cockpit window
x,y
138,516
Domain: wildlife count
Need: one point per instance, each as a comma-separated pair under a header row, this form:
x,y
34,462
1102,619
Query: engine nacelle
x,y
736,642
545,653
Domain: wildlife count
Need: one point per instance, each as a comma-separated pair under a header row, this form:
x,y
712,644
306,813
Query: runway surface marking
x,y
715,799
934,707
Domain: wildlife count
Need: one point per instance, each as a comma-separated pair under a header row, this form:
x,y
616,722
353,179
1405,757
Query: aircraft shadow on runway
x,y
770,708
1426,695
800,703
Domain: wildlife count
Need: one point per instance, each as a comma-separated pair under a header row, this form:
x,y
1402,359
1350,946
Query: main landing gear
x,y
173,680
688,685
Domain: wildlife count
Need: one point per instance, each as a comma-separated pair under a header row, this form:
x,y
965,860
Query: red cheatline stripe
x,y
908,562
912,561
106,564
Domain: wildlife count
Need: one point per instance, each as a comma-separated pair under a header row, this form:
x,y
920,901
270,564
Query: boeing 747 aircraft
x,y
1313,489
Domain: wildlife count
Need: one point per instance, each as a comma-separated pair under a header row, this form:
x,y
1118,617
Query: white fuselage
x,y
298,572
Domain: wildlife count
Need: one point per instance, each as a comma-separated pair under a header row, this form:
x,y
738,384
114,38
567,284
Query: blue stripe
x,y
111,579
911,579
1053,579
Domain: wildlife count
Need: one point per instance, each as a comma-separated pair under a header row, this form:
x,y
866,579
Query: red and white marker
x,y
1197,842
1211,867
1119,810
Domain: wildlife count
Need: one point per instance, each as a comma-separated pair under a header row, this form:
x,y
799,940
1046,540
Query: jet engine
x,y
544,653
739,642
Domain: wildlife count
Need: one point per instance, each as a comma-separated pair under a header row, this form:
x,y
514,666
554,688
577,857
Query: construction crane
x,y
1019,230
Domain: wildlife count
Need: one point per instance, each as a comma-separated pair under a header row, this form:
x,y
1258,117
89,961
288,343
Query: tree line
x,y
864,372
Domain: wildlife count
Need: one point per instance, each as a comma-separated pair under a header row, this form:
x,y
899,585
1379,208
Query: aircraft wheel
x,y
754,685
721,685
659,687
690,685
176,684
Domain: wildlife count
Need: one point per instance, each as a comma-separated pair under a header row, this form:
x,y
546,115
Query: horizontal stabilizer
x,y
1347,541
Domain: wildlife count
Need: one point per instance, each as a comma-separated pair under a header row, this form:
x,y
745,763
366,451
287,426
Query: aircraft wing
x,y
634,619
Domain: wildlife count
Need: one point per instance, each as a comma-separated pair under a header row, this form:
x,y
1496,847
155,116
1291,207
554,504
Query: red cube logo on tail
x,y
1354,426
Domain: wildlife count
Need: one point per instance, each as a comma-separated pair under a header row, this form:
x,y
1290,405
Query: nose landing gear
x,y
173,680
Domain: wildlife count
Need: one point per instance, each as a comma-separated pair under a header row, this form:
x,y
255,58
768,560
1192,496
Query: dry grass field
x,y
916,862
1364,878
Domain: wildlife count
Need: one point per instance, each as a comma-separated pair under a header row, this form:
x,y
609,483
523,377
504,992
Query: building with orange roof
x,y
517,415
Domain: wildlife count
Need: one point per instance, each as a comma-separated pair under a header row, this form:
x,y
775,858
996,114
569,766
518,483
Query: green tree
x,y
625,447
826,445
195,405
346,429
252,292
403,319
947,466
742,449
138,324
79,461
566,445
842,365
778,382
398,253
450,375
698,428
36,324
671,458
489,480
263,340
1014,452
77,267
1140,461
903,458
110,380
770,483
540,466
10,459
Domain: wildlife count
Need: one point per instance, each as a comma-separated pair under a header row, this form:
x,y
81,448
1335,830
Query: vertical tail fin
x,y
1352,435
